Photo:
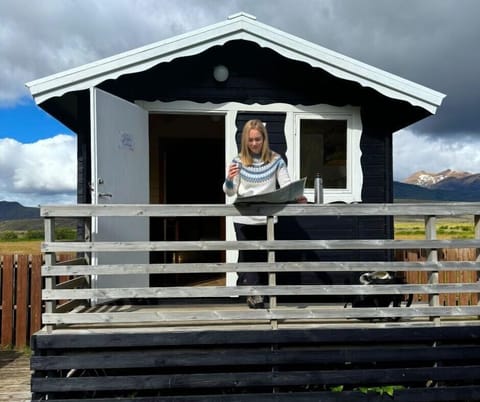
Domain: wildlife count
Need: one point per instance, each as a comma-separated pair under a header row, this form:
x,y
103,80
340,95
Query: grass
x,y
20,247
449,228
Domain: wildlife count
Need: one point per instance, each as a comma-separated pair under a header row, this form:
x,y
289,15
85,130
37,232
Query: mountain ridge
x,y
447,185
12,210
16,217
426,179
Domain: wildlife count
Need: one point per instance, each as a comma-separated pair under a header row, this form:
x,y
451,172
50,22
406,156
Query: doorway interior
x,y
187,166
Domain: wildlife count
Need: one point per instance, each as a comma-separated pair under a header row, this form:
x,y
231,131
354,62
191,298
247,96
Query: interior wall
x,y
192,148
187,166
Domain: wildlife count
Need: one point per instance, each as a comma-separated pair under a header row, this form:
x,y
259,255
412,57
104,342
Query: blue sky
x,y
27,123
430,42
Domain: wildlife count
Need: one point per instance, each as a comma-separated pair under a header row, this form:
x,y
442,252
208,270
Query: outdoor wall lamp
x,y
220,73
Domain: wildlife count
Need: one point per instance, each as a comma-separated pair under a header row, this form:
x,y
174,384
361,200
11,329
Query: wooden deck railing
x,y
70,303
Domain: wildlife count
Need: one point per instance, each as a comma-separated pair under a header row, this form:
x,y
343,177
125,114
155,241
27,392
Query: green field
x,y
25,236
447,228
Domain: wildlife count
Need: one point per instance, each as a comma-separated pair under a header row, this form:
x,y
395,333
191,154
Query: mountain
x,y
447,185
10,210
425,179
16,217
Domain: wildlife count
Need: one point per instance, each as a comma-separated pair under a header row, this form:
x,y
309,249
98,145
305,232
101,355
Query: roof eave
x,y
237,27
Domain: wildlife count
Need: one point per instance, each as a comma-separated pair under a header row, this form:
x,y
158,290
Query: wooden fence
x,y
450,299
21,308
21,298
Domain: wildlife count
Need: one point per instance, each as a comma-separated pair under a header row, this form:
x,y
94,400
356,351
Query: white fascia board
x,y
347,68
239,27
136,60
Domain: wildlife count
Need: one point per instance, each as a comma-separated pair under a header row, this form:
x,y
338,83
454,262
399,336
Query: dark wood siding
x,y
275,123
424,364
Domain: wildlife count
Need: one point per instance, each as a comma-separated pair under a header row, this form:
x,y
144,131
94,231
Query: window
x,y
323,150
329,144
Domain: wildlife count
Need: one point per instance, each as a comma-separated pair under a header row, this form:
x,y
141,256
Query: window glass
x,y
323,150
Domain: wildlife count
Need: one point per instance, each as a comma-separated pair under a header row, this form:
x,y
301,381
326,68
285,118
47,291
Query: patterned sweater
x,y
259,178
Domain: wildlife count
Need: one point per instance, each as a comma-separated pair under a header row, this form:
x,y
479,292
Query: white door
x,y
120,175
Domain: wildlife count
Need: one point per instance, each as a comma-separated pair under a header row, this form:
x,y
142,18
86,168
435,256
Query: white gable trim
x,y
244,27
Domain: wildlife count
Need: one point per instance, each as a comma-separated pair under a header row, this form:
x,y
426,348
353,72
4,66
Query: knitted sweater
x,y
259,178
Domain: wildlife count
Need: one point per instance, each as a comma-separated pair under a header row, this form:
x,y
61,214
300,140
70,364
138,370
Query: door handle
x,y
105,195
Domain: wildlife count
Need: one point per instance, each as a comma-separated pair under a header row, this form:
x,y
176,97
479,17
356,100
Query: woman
x,y
256,170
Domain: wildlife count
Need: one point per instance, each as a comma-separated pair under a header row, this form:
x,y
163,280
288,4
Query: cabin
x,y
150,309
158,124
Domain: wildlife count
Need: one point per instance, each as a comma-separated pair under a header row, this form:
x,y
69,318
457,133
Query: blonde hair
x,y
266,153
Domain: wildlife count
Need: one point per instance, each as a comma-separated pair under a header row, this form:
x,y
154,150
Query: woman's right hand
x,y
233,170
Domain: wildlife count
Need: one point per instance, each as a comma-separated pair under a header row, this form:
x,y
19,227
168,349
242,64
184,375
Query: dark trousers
x,y
251,232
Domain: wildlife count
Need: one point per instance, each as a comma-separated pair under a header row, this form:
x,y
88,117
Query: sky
x,y
434,43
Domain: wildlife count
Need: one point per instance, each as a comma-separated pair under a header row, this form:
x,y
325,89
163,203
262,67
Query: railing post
x,y
88,238
432,256
50,260
272,277
272,281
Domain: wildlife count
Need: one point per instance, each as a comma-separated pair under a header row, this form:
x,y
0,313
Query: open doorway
x,y
187,166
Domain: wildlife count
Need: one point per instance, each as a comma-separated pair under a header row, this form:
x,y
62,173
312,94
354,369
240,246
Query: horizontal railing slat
x,y
200,210
304,266
211,315
142,246
227,291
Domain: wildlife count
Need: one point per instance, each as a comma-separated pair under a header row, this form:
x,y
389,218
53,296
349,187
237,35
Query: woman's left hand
x,y
301,200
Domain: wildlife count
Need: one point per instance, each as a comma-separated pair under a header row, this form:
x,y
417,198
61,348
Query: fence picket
x,y
7,301
21,301
36,294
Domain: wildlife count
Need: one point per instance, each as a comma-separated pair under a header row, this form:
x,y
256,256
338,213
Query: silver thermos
x,y
318,186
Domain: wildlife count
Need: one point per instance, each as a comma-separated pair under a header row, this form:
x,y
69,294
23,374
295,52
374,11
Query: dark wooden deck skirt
x,y
244,362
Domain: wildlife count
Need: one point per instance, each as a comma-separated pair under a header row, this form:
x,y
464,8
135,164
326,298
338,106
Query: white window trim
x,y
294,113
353,189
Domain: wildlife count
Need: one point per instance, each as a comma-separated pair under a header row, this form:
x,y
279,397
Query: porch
x,y
203,343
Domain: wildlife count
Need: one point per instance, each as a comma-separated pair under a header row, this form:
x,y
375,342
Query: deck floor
x,y
14,377
237,305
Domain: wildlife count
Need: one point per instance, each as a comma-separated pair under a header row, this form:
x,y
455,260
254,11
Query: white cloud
x,y
47,37
412,153
39,39
41,172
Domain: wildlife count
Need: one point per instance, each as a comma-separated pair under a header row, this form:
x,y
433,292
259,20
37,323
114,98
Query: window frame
x,y
354,177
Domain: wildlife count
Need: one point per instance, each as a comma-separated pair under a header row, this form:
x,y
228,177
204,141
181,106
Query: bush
x,y
65,234
8,235
34,235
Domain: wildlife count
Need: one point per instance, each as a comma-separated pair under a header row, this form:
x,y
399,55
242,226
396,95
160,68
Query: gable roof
x,y
238,26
